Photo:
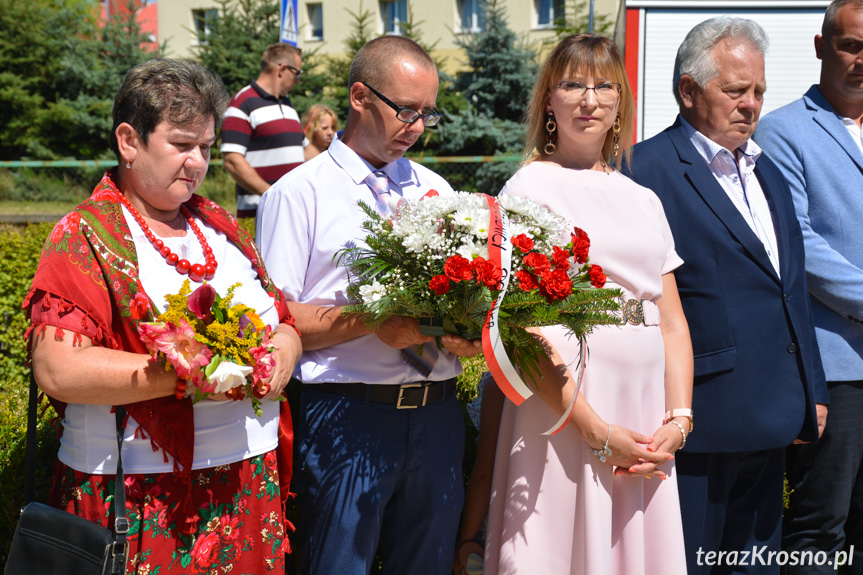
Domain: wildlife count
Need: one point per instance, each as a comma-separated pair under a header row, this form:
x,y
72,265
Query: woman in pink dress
x,y
600,497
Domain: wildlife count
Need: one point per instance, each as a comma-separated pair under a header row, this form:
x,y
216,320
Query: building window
x,y
202,19
393,13
471,15
548,12
316,21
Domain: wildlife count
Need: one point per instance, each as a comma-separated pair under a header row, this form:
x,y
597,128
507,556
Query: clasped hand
x,y
286,355
635,454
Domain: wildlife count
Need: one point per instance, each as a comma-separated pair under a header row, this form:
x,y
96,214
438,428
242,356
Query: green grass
x,y
56,192
23,208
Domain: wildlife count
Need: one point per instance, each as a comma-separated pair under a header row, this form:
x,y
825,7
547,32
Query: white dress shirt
x,y
854,130
303,221
736,174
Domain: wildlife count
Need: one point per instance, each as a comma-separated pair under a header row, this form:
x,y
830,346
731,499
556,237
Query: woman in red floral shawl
x,y
203,480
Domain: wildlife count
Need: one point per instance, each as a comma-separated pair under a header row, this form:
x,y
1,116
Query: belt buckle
x,y
121,525
633,311
405,386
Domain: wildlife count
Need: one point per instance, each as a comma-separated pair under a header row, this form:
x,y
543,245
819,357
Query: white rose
x,y
229,375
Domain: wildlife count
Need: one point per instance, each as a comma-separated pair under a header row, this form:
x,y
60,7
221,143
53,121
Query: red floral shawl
x,y
89,263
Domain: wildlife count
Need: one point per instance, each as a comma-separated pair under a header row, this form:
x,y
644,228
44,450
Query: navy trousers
x,y
731,506
825,508
375,478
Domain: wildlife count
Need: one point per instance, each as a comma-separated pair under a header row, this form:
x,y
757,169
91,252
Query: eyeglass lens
x,y
606,92
430,117
408,116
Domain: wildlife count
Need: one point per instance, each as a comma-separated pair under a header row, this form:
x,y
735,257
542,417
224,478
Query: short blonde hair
x,y
375,61
583,54
313,115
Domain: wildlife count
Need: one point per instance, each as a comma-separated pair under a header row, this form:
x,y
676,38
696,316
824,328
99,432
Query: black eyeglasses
x,y
430,116
295,71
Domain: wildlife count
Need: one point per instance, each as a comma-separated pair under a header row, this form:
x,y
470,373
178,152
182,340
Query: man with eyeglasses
x,y
759,384
381,437
262,138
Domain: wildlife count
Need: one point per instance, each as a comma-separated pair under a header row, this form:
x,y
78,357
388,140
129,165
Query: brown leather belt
x,y
404,396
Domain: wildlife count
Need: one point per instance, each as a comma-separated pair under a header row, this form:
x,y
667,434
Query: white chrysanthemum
x,y
472,219
414,243
402,227
517,228
471,250
465,215
372,293
546,219
532,214
459,223
515,204
467,197
415,216
436,207
423,236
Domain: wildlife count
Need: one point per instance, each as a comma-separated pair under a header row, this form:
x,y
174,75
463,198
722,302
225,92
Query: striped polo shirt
x,y
267,131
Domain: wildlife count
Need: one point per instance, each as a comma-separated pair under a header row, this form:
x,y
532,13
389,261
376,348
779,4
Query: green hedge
x,y
20,247
19,251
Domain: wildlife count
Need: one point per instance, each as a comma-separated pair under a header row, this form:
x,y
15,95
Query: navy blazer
x,y
758,374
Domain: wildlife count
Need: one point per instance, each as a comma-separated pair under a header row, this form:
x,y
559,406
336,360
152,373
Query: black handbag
x,y
50,541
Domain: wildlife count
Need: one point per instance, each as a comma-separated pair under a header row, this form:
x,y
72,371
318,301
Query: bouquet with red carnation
x,y
213,345
474,265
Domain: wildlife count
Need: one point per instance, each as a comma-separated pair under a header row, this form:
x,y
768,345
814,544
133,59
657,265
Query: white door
x,y
791,65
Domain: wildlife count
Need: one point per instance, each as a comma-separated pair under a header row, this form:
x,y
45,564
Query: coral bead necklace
x,y
196,272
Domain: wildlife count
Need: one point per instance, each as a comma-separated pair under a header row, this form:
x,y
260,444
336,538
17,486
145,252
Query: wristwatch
x,y
679,412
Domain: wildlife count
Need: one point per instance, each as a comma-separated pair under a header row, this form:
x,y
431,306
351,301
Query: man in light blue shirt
x,y
816,143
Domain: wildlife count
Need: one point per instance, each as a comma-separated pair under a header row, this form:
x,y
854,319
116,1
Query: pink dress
x,y
555,509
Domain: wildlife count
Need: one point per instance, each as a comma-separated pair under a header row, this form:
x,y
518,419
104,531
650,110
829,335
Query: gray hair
x,y
695,55
828,27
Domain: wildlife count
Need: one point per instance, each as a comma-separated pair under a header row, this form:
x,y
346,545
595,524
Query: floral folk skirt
x,y
235,508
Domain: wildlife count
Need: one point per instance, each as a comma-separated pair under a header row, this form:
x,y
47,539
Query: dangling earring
x,y
550,128
615,129
128,166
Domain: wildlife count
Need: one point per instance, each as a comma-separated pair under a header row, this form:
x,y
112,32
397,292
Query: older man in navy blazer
x,y
816,142
758,378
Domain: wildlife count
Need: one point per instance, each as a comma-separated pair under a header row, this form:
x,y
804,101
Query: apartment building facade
x,y
324,24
